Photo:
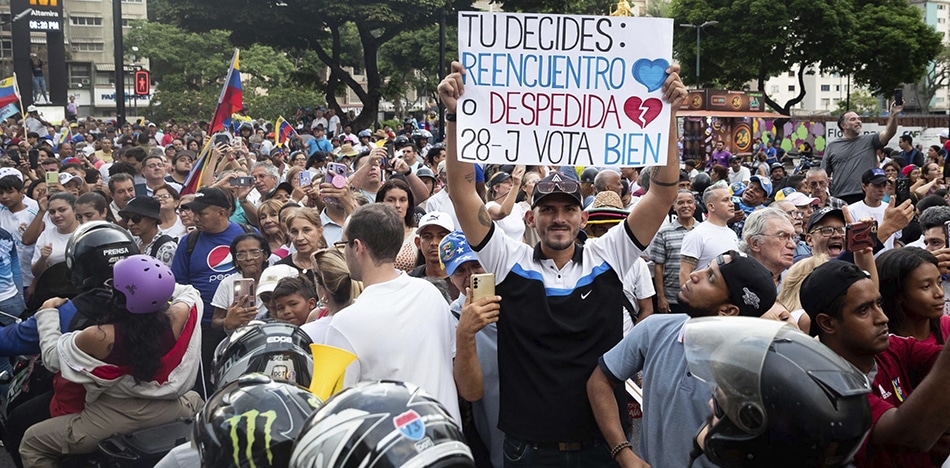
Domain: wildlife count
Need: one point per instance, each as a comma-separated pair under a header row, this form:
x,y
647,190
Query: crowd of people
x,y
768,319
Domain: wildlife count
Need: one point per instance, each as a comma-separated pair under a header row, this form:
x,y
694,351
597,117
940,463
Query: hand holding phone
x,y
899,96
483,285
902,190
52,178
245,292
306,178
860,236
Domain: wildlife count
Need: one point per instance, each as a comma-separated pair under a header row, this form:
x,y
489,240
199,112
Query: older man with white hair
x,y
769,237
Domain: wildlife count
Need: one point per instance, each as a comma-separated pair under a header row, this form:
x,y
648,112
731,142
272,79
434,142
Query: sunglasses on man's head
x,y
549,186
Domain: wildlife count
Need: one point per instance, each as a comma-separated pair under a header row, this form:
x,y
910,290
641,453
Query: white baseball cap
x,y
272,275
436,218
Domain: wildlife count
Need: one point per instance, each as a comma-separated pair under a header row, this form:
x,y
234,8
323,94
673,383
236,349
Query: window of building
x,y
126,23
133,1
941,6
837,87
941,20
80,74
791,88
791,74
105,78
87,46
6,48
773,89
5,20
85,21
825,87
825,103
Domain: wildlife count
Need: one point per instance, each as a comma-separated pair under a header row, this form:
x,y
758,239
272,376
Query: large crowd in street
x,y
361,297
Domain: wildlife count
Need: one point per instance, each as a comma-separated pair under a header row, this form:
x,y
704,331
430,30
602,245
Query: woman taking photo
x,y
250,253
912,295
274,231
51,245
336,289
306,233
170,223
397,194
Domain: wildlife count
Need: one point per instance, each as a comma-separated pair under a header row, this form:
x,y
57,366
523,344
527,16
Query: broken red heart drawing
x,y
642,112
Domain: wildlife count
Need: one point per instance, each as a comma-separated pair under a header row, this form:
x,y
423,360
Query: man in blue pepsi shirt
x,y
203,259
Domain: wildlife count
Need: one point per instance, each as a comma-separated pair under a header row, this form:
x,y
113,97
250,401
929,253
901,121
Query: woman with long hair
x,y
250,253
137,365
397,194
306,233
274,231
51,245
912,294
931,179
336,290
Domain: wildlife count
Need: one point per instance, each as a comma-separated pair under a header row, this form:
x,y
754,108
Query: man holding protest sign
x,y
547,348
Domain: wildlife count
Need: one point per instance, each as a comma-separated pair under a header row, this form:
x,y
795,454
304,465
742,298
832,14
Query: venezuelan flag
x,y
284,131
231,99
8,94
198,170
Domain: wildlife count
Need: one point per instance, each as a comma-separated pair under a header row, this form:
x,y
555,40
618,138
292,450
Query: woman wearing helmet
x,y
137,365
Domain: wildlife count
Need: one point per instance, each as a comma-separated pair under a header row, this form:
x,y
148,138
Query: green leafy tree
x,y
937,77
564,7
411,61
882,43
322,26
190,69
861,102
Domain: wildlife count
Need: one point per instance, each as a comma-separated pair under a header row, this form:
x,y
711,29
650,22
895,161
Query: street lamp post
x,y
698,28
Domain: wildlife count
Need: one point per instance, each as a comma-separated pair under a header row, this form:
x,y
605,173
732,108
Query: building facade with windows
x,y
90,63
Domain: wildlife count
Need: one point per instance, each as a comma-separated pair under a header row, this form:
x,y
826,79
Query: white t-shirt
x,y
442,202
741,176
334,125
318,329
52,236
402,330
637,284
224,296
513,224
319,121
861,210
706,241
16,224
178,230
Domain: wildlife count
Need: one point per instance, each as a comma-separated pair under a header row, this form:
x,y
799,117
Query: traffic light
x,y
142,84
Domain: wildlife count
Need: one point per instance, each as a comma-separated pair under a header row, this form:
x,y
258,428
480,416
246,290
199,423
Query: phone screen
x,y
52,178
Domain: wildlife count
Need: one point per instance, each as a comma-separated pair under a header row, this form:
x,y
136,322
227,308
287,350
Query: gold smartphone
x,y
483,285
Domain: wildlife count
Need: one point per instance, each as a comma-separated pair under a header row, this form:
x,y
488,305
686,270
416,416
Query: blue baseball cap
x,y
454,251
874,175
764,182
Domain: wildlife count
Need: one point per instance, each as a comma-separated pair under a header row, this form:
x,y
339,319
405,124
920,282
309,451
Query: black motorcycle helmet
x,y
383,424
701,182
252,421
782,398
279,350
401,142
92,250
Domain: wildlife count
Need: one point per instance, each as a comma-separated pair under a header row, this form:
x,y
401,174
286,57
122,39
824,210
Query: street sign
x,y
142,83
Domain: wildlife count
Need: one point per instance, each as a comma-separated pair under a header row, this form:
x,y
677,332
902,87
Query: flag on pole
x,y
198,170
284,131
231,99
9,111
8,92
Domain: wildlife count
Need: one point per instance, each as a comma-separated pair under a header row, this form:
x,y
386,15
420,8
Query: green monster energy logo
x,y
251,418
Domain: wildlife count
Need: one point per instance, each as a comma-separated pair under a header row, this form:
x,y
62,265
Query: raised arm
x,y
891,129
472,215
647,217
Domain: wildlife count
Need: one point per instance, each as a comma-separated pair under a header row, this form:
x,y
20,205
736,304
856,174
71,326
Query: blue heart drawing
x,y
650,73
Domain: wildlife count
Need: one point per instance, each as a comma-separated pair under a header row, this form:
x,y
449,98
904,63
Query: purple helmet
x,y
146,283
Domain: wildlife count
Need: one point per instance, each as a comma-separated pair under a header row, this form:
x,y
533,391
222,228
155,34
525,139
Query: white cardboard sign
x,y
564,90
